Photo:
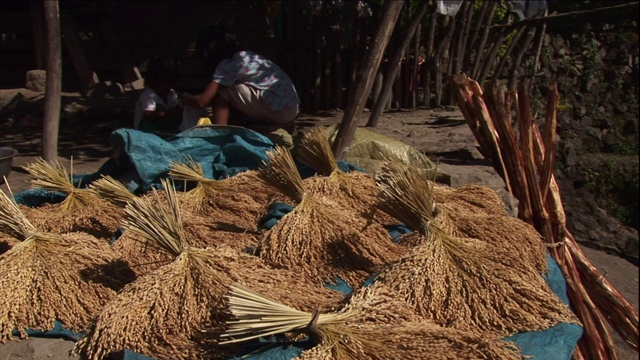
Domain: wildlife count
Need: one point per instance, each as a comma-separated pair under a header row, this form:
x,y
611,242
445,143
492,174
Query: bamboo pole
x,y
595,301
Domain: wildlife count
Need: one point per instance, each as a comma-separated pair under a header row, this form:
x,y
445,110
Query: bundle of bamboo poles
x,y
525,162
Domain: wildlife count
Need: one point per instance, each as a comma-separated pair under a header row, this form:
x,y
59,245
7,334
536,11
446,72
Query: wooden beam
x,y
38,32
358,97
85,73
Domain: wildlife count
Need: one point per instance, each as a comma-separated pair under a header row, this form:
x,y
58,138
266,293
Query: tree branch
x,y
573,13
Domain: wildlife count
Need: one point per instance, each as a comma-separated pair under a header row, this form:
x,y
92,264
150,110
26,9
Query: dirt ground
x,y
441,134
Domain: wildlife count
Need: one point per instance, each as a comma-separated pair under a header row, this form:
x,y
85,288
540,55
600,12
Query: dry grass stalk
x,y
49,277
220,198
112,190
162,224
319,237
53,176
352,333
145,254
282,174
463,283
354,189
163,313
192,172
315,151
12,221
81,211
414,208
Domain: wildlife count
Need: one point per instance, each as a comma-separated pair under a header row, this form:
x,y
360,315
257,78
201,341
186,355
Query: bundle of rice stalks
x,y
521,239
472,200
465,284
240,198
80,211
163,313
352,333
463,216
319,237
48,277
144,255
354,189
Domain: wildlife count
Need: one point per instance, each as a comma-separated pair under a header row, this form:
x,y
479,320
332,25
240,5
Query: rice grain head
x,y
171,312
464,284
318,237
354,189
48,277
227,200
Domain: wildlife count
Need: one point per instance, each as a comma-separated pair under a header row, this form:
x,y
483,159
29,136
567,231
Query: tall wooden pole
x,y
394,64
358,97
53,87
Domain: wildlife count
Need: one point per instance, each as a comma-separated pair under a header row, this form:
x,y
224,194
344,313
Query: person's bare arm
x,y
204,99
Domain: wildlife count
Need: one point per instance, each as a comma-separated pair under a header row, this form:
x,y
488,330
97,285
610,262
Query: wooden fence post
x,y
358,96
53,87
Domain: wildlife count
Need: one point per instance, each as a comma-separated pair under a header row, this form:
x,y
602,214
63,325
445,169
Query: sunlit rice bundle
x,y
465,284
81,210
472,200
144,255
48,277
112,191
521,240
523,250
351,333
220,199
164,313
319,237
354,189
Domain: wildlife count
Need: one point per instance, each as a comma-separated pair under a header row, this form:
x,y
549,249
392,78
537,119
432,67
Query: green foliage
x,y
621,148
616,189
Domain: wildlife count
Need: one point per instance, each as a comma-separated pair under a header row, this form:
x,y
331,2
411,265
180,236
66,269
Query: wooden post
x,y
38,37
86,75
394,64
426,84
53,88
358,97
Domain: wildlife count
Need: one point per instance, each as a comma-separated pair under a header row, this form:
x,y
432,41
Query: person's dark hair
x,y
216,43
159,68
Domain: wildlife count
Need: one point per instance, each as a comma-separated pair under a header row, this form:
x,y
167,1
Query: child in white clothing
x,y
158,108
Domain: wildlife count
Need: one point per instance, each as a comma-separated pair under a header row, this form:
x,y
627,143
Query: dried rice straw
x,y
219,199
465,217
49,277
81,210
163,313
352,333
354,189
465,284
144,255
319,237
